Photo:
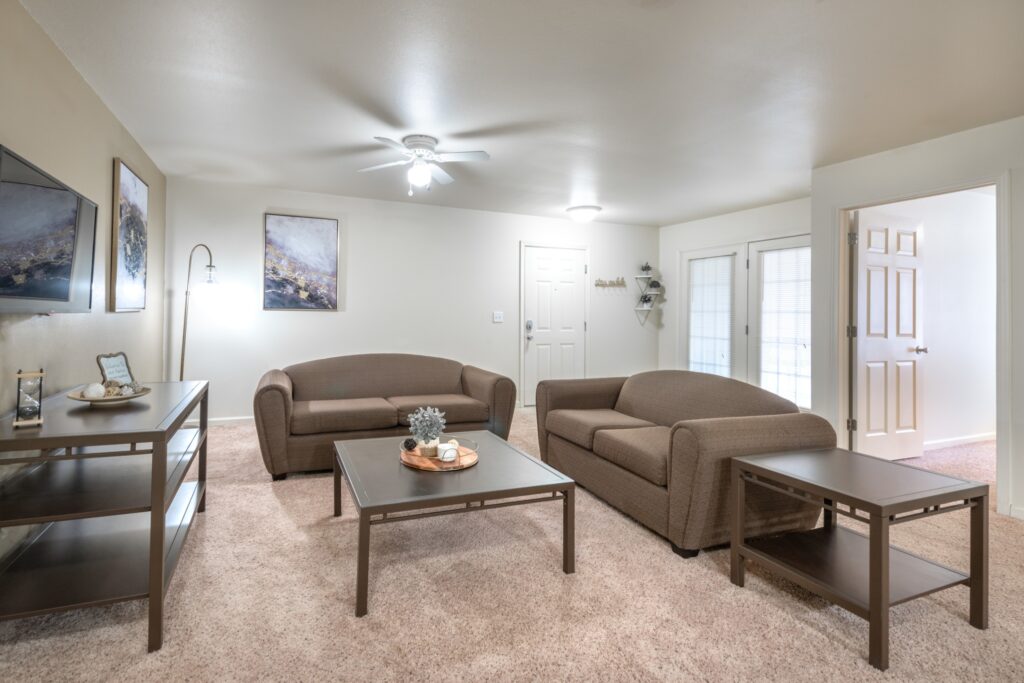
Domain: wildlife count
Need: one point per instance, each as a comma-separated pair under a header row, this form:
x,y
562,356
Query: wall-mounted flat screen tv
x,y
47,240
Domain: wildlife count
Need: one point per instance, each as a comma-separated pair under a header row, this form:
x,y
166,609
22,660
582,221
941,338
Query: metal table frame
x,y
384,514
879,519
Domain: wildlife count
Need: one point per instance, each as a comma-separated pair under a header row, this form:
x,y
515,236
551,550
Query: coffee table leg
x,y
337,488
738,493
979,563
878,638
362,563
569,531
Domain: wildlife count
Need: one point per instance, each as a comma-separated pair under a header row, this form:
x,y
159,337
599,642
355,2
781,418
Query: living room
x,y
631,251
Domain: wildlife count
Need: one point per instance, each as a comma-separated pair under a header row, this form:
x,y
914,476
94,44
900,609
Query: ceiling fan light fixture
x,y
583,214
419,174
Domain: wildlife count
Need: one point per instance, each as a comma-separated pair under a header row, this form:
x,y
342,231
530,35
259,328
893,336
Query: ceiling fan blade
x,y
403,162
393,144
463,156
440,175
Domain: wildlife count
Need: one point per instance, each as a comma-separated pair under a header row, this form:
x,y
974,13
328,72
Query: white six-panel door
x,y
554,316
890,352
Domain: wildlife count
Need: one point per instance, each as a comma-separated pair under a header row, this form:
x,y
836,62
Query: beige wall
x,y
391,296
50,116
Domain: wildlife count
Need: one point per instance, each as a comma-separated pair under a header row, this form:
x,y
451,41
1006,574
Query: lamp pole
x,y
188,292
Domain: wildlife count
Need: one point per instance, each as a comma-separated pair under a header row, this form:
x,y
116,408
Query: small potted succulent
x,y
427,425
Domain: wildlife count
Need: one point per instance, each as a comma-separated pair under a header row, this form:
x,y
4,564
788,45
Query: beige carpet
x,y
266,589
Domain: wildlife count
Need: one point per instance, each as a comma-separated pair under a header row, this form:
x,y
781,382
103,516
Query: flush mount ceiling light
x,y
583,214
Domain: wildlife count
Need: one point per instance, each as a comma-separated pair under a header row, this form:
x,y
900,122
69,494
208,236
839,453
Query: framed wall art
x,y
300,263
129,244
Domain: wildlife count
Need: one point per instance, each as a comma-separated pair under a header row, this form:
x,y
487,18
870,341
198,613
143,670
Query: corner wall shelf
x,y
650,292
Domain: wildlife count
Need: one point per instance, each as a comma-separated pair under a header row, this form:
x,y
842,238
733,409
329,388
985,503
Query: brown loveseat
x,y
657,446
302,410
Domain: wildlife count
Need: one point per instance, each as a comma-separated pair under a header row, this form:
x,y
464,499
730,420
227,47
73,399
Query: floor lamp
x,y
211,271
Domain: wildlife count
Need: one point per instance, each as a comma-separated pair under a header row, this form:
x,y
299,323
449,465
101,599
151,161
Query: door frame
x,y
523,246
845,346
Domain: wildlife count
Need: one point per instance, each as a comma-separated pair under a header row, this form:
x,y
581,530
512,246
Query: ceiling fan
x,y
423,159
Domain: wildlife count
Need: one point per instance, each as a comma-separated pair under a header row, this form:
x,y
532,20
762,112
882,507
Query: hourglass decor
x,y
30,399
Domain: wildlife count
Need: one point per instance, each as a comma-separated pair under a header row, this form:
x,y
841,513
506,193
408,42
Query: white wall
x,y
958,249
391,298
990,154
766,222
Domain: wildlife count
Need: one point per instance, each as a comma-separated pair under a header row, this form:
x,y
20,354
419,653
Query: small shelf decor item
x,y
29,412
427,425
453,454
118,385
650,290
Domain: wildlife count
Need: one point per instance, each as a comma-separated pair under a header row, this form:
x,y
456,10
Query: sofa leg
x,y
279,477
683,552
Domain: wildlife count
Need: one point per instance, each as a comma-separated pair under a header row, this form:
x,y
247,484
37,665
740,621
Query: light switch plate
x,y
499,317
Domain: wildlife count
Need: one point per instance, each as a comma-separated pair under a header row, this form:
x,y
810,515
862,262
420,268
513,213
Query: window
x,y
785,323
748,314
711,314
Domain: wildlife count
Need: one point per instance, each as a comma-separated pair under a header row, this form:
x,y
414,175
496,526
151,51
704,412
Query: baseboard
x,y
958,441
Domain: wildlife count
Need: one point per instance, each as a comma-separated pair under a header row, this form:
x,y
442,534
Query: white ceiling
x,y
659,110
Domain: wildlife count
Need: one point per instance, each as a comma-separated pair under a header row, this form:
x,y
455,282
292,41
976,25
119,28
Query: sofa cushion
x,y
643,451
667,396
579,426
456,407
374,375
342,415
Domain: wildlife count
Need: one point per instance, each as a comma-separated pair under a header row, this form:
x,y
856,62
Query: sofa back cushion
x,y
374,375
665,397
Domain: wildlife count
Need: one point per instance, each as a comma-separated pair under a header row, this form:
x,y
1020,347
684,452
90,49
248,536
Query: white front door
x,y
554,316
890,351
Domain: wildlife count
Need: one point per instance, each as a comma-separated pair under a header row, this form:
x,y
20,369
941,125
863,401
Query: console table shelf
x,y
75,488
109,494
835,561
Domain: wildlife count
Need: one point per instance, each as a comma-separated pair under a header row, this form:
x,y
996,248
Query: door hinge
x,y
852,238
748,264
584,325
851,424
746,329
851,331
586,268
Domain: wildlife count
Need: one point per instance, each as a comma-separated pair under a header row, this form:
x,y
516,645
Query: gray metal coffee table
x,y
382,486
862,574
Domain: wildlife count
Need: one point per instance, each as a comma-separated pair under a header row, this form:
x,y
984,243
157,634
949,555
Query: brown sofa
x,y
302,410
657,446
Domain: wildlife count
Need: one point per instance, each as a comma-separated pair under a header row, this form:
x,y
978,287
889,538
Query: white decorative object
x,y
94,390
447,452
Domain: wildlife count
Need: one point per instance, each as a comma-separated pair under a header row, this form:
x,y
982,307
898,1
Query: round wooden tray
x,y
467,458
107,400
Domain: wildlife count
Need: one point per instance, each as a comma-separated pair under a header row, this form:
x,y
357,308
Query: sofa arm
x,y
699,475
497,391
272,408
583,394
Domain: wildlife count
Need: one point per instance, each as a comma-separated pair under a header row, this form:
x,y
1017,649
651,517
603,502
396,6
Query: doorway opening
x,y
922,326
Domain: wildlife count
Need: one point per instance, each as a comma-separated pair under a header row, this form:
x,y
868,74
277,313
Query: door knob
x,y
529,337
920,349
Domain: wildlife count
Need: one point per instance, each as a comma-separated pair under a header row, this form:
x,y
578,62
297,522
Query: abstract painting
x,y
300,263
38,227
129,244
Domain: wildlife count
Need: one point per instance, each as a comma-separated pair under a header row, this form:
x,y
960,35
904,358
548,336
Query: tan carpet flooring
x,y
266,588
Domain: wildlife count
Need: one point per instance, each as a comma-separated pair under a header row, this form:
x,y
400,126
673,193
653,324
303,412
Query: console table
x,y
864,575
104,490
